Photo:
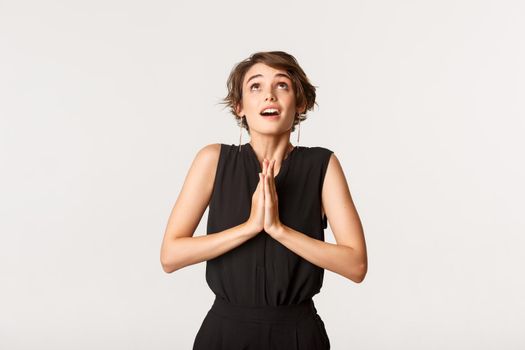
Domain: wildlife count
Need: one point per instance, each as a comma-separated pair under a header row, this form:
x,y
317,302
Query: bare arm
x,y
179,247
184,251
348,257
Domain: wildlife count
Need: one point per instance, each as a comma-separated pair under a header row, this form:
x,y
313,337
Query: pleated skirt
x,y
288,327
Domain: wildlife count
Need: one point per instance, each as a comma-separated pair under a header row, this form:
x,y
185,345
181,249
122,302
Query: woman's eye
x,y
280,84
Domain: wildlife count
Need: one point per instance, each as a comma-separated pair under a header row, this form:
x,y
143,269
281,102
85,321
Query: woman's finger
x,y
261,185
267,185
269,175
272,184
265,166
274,189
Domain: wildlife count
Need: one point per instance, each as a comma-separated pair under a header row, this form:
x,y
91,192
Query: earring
x,y
299,130
240,132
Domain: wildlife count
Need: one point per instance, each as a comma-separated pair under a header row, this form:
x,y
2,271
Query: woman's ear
x,y
238,110
301,109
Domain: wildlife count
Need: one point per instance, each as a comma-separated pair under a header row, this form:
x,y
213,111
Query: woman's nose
x,y
270,97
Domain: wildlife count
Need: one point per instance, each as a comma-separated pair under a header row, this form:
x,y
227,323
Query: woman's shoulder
x,y
318,156
208,155
320,151
210,150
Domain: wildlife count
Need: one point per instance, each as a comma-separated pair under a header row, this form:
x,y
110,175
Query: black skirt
x,y
288,327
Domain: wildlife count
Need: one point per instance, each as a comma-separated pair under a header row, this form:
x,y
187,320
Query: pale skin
x,y
270,141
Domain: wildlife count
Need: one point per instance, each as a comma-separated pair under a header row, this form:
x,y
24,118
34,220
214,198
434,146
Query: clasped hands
x,y
264,214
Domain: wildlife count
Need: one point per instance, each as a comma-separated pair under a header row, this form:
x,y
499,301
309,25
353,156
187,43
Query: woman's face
x,y
264,86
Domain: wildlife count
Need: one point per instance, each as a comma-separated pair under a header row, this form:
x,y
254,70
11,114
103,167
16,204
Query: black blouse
x,y
262,271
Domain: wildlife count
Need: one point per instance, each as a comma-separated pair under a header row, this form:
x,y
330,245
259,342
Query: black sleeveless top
x,y
262,271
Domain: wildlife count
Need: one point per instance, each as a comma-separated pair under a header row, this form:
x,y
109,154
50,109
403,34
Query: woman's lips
x,y
271,117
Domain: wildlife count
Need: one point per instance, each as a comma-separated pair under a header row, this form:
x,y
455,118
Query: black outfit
x,y
263,291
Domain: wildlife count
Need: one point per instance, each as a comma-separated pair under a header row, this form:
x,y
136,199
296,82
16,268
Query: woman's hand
x,y
272,223
264,214
256,220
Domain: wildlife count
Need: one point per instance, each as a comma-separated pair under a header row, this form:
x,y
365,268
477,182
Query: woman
x,y
268,207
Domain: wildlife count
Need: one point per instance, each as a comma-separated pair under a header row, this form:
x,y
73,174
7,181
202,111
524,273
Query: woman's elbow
x,y
167,267
166,261
361,273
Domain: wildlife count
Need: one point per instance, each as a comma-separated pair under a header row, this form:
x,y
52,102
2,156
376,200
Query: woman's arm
x,y
183,251
348,257
179,247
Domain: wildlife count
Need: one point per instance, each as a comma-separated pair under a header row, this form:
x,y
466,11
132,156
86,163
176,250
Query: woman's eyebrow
x,y
260,75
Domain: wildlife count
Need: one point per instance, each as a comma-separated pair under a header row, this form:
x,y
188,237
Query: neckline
x,y
284,163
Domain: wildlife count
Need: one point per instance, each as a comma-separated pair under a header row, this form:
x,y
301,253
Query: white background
x,y
104,105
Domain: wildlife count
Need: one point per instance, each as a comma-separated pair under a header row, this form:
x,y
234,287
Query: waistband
x,y
284,314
